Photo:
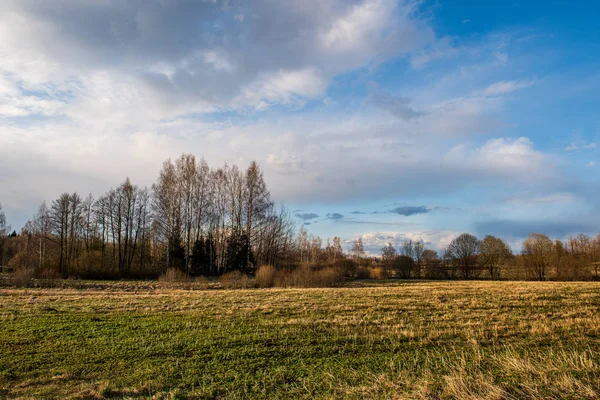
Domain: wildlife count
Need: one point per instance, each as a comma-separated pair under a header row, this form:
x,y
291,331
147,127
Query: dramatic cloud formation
x,y
346,105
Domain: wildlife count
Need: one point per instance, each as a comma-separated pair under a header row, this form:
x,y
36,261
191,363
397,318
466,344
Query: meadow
x,y
403,340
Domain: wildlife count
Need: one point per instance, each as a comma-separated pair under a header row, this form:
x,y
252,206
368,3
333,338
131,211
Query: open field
x,y
496,340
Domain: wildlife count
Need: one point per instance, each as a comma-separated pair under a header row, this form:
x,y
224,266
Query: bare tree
x,y
463,251
595,256
59,214
407,248
167,211
538,254
221,208
358,250
493,253
404,266
2,236
42,228
432,264
89,227
418,249
2,222
132,205
202,198
388,254
338,252
187,179
257,205
275,239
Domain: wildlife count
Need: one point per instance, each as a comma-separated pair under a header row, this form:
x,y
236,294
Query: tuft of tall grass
x,y
303,276
22,277
174,275
378,273
234,280
265,276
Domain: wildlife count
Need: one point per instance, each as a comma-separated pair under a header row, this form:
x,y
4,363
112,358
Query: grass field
x,y
433,340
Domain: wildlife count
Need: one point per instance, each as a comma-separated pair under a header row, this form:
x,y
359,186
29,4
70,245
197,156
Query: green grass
x,y
399,340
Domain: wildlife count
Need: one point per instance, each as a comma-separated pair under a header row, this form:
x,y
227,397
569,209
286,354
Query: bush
x,y
306,276
329,277
234,280
265,276
174,275
48,273
378,273
363,273
349,266
22,277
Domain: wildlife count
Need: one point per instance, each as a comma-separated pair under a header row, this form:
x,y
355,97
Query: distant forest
x,y
204,221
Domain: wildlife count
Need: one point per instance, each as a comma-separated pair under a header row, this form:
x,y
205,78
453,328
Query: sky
x,y
378,119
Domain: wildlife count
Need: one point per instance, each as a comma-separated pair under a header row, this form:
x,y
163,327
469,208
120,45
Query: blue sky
x,y
381,119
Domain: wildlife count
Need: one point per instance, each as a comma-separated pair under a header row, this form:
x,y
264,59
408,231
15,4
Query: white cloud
x,y
580,146
515,158
285,163
571,147
374,241
501,57
284,87
91,92
438,50
504,87
281,53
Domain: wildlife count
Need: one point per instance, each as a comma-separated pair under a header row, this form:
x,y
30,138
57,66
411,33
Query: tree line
x,y
201,220
213,221
467,257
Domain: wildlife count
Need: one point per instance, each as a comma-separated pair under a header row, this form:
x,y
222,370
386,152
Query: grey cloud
x,y
335,216
205,50
410,210
306,216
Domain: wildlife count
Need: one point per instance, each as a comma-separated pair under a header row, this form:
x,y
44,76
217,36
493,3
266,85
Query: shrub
x,y
48,273
329,277
306,276
347,265
378,273
234,280
265,276
174,275
363,273
22,277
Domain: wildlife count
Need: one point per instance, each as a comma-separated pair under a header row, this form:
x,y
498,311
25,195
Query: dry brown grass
x,y
304,276
409,340
48,274
174,275
265,276
22,277
235,280
378,273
